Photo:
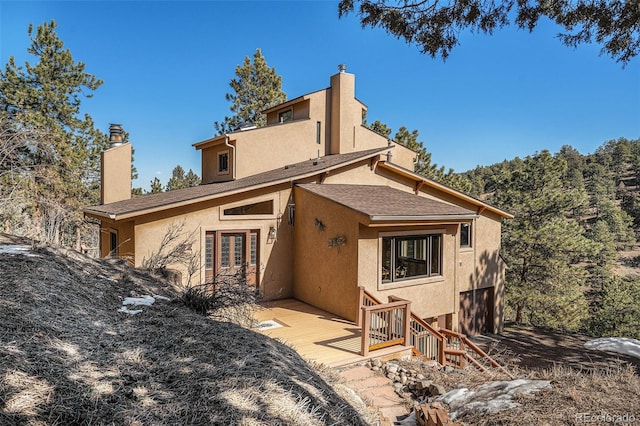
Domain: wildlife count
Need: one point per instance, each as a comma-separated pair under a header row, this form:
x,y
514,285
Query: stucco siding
x,y
325,276
275,255
429,297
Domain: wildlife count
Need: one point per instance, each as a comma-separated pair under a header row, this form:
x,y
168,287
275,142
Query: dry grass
x,y
68,357
595,391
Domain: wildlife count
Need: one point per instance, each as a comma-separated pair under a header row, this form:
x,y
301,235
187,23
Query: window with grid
x,y
224,251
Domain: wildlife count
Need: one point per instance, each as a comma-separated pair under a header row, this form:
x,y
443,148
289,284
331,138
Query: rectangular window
x,y
465,235
411,256
113,244
284,116
224,251
223,162
261,208
318,128
208,251
253,249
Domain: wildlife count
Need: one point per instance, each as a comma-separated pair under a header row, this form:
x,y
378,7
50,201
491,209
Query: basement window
x,y
411,256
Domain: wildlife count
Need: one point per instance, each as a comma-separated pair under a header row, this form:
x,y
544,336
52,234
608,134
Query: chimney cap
x,y
342,68
116,135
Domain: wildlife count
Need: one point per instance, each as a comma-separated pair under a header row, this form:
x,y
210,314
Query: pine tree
x,y
542,246
179,179
156,186
255,89
423,165
63,160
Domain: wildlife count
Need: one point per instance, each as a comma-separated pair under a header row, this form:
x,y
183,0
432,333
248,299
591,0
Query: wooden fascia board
x,y
445,189
209,142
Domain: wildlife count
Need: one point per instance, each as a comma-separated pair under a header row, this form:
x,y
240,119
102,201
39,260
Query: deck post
x,y
360,304
407,324
366,327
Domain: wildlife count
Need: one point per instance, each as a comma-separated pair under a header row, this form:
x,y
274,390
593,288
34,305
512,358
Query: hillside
x,y
68,356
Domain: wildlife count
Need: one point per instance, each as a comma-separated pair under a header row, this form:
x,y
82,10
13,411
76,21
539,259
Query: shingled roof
x,y
179,197
383,203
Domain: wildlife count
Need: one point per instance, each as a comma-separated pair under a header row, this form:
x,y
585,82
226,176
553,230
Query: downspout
x,y
475,273
233,149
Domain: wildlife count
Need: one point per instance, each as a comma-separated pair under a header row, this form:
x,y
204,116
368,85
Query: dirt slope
x,y
67,356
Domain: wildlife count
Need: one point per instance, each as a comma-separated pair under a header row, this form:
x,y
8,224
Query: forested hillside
x,y
574,214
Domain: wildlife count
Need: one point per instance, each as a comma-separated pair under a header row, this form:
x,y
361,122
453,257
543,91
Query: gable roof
x,y
383,203
156,202
422,180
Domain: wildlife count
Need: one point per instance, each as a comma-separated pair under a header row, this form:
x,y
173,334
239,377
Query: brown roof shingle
x,y
386,203
154,202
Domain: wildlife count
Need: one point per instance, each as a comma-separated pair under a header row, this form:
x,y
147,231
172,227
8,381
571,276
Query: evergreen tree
x,y
256,88
618,310
156,186
63,157
179,179
542,246
423,165
435,27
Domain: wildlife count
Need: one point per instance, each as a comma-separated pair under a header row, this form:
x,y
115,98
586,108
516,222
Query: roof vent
x,y
116,135
342,68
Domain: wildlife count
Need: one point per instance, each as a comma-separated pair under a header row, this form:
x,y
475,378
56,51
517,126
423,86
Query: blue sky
x,y
166,68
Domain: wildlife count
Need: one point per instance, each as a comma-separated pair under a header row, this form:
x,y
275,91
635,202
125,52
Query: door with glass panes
x,y
231,252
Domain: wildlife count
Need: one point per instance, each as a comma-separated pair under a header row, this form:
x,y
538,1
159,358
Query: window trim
x,y
228,169
408,282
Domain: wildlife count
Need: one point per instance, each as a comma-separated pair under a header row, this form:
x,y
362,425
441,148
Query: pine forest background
x,y
571,252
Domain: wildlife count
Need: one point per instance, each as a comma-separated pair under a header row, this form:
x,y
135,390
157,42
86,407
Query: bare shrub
x,y
175,249
227,297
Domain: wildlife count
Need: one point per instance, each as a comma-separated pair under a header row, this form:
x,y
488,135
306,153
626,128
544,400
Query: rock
x,y
374,368
392,368
423,384
403,380
448,369
420,376
377,363
436,390
431,363
391,376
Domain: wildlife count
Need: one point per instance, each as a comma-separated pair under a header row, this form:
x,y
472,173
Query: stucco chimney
x,y
115,168
345,114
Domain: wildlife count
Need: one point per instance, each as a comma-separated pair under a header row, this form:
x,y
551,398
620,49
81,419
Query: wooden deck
x,y
318,335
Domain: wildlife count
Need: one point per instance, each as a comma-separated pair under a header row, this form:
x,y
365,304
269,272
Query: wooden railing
x,y
382,327
385,325
461,350
427,342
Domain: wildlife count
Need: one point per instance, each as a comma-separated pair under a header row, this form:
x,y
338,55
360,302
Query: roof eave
x,y
481,205
447,217
128,215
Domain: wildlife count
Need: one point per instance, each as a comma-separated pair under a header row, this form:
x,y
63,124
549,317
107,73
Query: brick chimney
x,y
115,168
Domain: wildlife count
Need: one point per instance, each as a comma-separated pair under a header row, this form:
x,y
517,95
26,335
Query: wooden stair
x,y
445,346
